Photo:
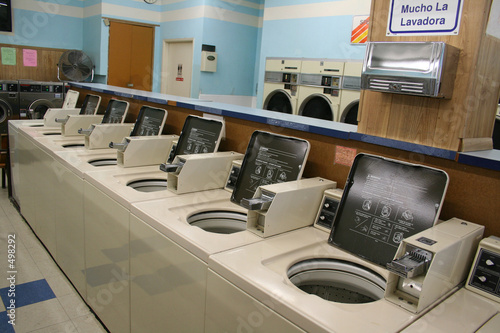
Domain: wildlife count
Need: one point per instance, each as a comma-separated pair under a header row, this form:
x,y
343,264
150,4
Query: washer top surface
x,y
464,311
114,182
78,160
169,216
260,269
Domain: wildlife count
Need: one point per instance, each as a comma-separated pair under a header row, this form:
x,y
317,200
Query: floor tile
x,y
60,285
27,293
65,327
40,315
74,306
88,324
5,327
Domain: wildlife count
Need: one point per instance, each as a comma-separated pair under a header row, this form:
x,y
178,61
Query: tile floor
x,y
44,299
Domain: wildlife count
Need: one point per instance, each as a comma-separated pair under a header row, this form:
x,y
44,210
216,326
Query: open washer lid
x,y
270,158
199,135
90,105
150,121
385,201
115,112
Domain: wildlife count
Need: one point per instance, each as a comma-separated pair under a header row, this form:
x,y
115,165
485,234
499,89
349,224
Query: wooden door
x,y
130,59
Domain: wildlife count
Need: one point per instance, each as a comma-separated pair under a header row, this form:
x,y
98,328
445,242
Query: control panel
x,y
484,277
328,209
233,175
10,87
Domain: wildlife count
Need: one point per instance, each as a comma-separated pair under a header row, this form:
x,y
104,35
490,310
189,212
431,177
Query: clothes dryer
x,y
9,103
36,97
280,85
350,93
299,279
319,89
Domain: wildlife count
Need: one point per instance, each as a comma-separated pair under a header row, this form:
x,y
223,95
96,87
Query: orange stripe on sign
x,y
360,26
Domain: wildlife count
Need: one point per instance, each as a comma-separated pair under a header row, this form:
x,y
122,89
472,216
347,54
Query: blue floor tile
x,y
5,327
28,293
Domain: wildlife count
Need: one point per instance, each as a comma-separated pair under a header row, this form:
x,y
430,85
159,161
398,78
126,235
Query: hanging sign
x,y
424,17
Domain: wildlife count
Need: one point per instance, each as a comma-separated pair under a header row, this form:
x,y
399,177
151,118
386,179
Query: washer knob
x,y
482,279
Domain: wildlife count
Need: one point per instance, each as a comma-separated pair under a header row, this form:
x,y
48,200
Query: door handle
x,y
130,85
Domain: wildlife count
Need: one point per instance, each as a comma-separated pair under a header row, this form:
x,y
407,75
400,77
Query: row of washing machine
x,y
26,98
319,88
221,241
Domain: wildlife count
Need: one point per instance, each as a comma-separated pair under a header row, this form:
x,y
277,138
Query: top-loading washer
x,y
350,92
36,97
319,89
9,103
195,226
280,85
302,280
474,308
107,197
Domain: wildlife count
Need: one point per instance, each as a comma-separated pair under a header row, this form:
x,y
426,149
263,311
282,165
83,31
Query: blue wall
x,y
244,32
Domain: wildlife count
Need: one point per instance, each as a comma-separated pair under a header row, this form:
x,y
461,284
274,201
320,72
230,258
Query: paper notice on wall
x,y
8,56
493,28
30,58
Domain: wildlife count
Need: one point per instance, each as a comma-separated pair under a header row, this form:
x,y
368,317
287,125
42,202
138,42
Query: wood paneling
x,y
46,69
472,193
468,115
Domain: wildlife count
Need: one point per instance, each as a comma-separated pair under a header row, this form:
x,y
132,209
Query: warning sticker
x,y
359,34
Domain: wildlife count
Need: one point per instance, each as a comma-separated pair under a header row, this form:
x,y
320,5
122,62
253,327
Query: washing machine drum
x,y
317,107
38,108
337,281
278,101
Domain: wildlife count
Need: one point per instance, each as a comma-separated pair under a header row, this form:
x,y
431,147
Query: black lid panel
x,y
269,159
384,202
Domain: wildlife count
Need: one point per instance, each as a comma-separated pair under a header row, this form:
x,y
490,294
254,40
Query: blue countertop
x,y
489,159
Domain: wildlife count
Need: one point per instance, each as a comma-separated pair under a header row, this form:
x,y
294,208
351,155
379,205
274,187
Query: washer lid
x,y
384,202
198,135
269,159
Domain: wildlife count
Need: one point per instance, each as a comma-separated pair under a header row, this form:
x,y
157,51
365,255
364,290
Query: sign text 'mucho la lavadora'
x,y
424,17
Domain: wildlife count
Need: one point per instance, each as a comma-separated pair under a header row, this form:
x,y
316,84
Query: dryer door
x,y
278,101
317,106
38,108
5,111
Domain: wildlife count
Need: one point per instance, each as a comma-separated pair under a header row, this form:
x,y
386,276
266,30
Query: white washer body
x,y
169,218
350,92
319,94
257,275
280,85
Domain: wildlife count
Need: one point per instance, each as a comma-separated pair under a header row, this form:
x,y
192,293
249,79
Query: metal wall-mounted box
x,y
413,68
208,61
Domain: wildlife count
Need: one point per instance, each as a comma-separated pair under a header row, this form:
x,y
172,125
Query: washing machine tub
x,y
337,281
219,221
148,185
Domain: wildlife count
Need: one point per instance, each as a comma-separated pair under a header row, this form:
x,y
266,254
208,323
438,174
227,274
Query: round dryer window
x,y
39,107
279,102
5,110
317,107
